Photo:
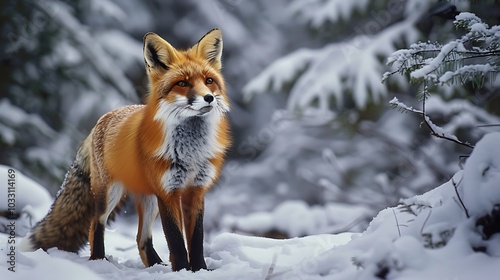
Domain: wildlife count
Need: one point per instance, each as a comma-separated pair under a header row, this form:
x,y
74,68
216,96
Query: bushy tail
x,y
66,226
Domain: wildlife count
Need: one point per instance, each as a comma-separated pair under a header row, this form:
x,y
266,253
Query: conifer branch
x,y
434,129
425,61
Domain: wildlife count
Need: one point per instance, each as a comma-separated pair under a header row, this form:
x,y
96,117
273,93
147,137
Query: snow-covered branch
x,y
448,63
435,129
338,69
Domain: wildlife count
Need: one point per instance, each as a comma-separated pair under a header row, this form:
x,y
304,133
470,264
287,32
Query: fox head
x,y
186,83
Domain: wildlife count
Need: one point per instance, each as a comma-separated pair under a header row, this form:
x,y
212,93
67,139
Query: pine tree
x,y
57,78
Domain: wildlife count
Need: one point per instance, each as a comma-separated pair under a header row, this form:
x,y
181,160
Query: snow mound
x,y
28,192
31,201
446,233
297,218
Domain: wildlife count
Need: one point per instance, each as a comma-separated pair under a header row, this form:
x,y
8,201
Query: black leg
x,y
98,242
196,252
171,221
151,254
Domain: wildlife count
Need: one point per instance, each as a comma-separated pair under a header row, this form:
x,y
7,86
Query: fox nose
x,y
208,98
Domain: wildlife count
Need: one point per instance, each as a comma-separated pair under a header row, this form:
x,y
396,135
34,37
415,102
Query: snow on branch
x,y
435,129
449,63
395,103
336,70
95,54
318,12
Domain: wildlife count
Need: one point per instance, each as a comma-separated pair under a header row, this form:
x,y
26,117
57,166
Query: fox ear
x,y
210,47
158,53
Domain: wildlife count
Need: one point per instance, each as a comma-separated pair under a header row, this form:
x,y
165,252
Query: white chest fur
x,y
190,144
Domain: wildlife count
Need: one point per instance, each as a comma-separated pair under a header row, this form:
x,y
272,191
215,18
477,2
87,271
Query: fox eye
x,y
209,81
182,83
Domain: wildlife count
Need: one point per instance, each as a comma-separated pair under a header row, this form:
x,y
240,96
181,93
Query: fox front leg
x,y
192,210
171,217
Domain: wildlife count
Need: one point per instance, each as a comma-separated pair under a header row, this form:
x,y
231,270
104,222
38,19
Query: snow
x,y
478,27
108,9
439,131
433,61
482,173
262,253
466,70
396,103
17,117
428,236
433,64
317,13
466,16
103,65
31,199
279,72
126,51
296,218
315,78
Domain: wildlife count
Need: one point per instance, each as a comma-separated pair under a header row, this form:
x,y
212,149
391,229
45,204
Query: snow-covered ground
x,y
432,236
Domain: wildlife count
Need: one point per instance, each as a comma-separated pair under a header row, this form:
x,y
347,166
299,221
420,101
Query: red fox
x,y
167,153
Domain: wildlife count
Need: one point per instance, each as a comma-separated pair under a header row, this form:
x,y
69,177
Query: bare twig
x,y
397,223
273,264
425,222
455,185
433,133
487,125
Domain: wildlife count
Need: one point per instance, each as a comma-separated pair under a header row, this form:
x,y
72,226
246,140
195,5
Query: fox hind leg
x,y
147,209
105,204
